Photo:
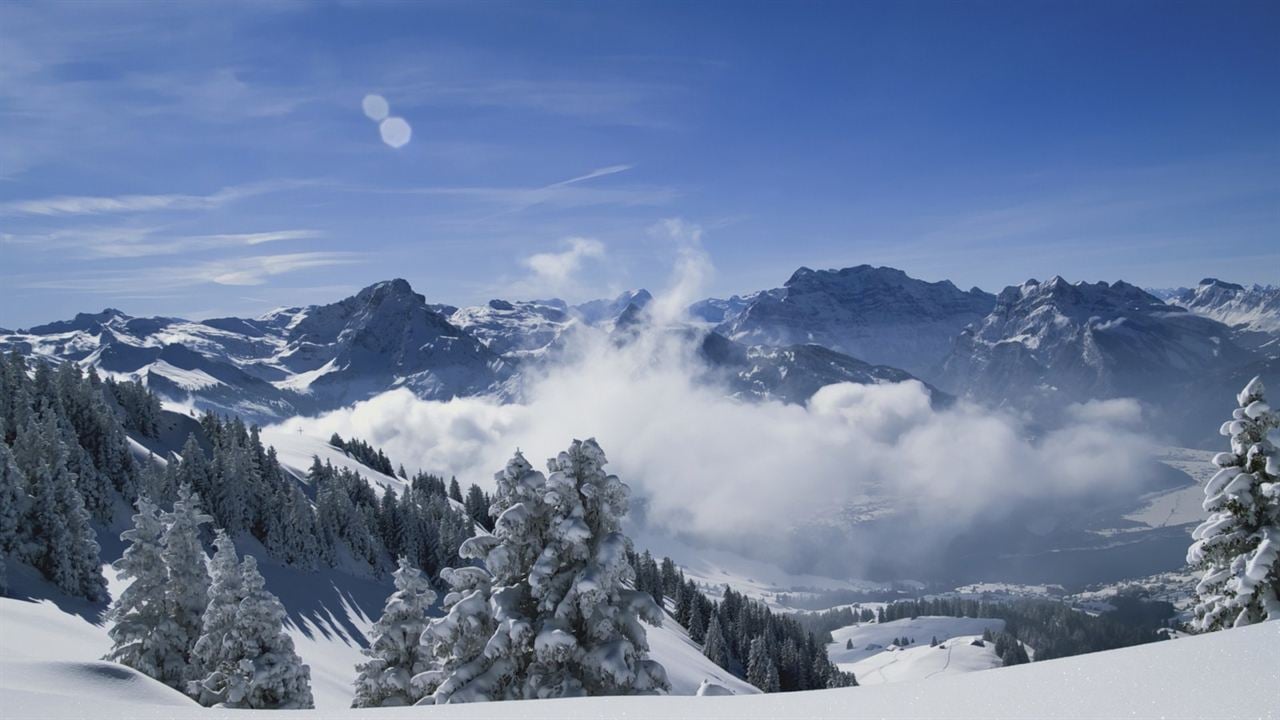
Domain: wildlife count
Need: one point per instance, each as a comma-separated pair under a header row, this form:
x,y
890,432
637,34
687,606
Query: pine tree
x,y
758,663
144,635
13,504
772,683
714,647
1238,547
589,639
461,665
187,592
62,539
395,652
260,669
211,657
481,648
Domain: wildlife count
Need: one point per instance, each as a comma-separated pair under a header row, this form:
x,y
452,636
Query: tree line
x,y
772,651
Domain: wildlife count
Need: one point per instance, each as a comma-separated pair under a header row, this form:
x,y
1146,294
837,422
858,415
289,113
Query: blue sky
x,y
207,159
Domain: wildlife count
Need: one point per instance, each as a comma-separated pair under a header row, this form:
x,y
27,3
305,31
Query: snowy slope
x,y
952,656
1220,675
871,640
296,450
39,639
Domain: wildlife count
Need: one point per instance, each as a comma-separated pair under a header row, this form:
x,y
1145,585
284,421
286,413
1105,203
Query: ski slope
x,y
1229,674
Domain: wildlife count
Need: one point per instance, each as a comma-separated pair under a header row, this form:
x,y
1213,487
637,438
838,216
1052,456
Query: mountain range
x,y
1038,345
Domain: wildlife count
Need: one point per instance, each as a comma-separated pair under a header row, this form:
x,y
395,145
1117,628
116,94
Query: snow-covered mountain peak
x,y
88,322
1056,342
877,314
1078,301
1253,309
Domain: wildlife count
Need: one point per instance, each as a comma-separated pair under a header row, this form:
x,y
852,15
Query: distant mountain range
x,y
1037,345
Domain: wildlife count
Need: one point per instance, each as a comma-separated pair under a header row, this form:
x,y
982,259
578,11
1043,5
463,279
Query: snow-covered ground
x,y
1229,674
296,450
922,662
871,640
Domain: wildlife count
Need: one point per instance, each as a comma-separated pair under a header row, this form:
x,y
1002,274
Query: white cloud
x,y
252,270
742,472
555,272
97,205
145,242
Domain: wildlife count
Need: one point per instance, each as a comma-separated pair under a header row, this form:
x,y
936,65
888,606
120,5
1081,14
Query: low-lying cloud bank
x,y
747,472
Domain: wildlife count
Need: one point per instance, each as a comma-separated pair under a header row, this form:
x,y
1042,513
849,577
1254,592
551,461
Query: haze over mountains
x,y
1040,345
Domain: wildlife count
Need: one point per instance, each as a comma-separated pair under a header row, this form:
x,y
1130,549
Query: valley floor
x,y
1230,674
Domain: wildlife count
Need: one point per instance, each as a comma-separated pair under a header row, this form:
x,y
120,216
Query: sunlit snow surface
x,y
1220,675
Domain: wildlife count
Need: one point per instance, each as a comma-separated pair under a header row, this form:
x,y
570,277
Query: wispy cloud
x,y
144,242
61,205
563,194
244,271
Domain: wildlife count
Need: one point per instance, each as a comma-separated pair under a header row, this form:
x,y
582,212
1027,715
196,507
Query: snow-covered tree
x,y
187,591
465,664
550,613
258,667
715,647
395,652
13,504
211,658
1238,547
62,540
589,640
758,664
145,636
479,650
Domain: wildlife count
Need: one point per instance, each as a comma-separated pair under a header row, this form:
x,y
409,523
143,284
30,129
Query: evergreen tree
x,y
481,648
589,639
187,591
478,507
758,664
13,505
262,671
211,658
455,490
714,647
62,542
144,635
1238,547
463,664
395,652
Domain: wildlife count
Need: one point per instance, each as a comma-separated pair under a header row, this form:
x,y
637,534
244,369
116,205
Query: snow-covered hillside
x,y
875,652
1227,674
871,640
